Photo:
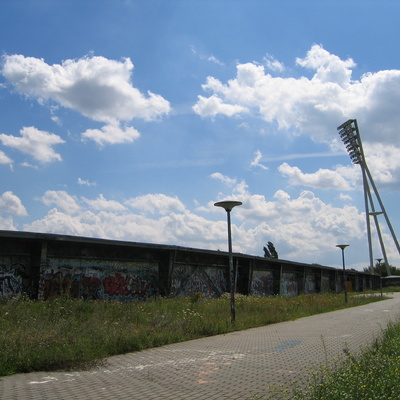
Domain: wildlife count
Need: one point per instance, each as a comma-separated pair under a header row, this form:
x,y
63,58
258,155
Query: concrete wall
x,y
98,279
44,265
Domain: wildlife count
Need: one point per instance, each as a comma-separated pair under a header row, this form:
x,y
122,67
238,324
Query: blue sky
x,y
128,119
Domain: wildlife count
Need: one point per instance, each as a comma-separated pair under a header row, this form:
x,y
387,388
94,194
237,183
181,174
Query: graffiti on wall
x,y
187,280
262,283
13,275
289,284
310,284
98,279
325,284
10,285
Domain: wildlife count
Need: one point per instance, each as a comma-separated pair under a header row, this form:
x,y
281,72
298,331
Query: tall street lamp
x,y
351,138
342,247
380,274
228,206
375,215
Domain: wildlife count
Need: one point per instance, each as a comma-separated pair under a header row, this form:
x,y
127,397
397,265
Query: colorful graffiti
x,y
289,284
13,275
98,280
325,284
309,284
10,285
128,284
187,280
262,283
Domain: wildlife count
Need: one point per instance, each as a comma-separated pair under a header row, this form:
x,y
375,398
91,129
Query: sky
x,y
128,120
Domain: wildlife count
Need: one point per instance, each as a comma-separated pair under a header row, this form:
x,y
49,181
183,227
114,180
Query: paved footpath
x,y
239,365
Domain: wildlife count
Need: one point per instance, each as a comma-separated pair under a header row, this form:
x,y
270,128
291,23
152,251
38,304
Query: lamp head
x,y
228,204
342,246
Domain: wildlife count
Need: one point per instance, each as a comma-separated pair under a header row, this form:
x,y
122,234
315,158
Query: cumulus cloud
x,y
111,134
36,143
212,106
96,87
328,67
314,106
7,224
64,202
223,178
103,204
345,197
4,159
384,162
303,228
11,204
156,204
321,179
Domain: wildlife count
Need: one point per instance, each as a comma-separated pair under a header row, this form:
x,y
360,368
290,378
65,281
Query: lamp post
x,y
380,274
342,247
228,206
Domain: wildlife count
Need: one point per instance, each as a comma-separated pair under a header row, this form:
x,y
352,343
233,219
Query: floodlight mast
x,y
351,138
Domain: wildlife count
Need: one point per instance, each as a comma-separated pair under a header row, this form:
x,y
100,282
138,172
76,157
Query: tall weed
x,y
66,333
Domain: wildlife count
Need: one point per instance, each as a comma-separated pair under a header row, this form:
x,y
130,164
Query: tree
x,y
379,268
269,251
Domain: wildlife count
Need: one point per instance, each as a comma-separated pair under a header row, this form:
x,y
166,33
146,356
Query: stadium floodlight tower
x,y
351,138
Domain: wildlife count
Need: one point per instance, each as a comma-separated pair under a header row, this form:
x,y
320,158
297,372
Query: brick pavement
x,y
235,366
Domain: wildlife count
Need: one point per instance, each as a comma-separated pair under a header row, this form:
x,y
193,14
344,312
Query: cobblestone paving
x,y
235,366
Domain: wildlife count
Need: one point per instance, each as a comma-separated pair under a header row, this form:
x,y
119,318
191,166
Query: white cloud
x,y
156,204
211,58
4,159
96,87
28,165
345,197
215,60
7,224
329,68
85,182
303,229
321,179
11,204
212,106
314,106
103,204
384,163
256,162
34,142
273,64
111,134
224,179
64,202
382,160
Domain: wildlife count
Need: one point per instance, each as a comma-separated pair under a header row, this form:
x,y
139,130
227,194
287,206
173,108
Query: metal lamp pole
x,y
351,138
380,274
228,205
342,247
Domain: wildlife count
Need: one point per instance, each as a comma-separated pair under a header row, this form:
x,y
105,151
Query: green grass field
x,y
67,333
373,375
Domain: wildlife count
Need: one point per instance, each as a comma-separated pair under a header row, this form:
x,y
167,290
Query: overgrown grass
x,y
375,374
67,333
